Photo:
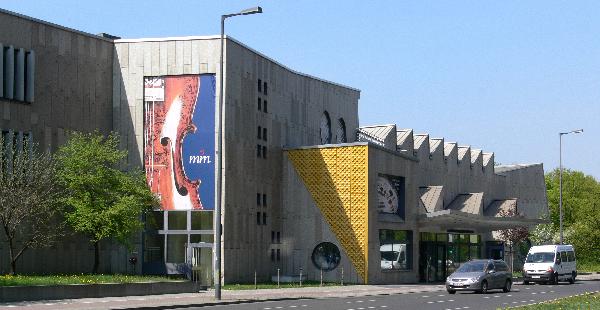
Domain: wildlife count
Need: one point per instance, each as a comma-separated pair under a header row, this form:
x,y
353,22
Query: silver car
x,y
480,275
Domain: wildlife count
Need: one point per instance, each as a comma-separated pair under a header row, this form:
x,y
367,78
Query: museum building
x,y
306,189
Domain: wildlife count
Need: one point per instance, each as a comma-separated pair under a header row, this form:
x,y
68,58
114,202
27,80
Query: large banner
x,y
179,140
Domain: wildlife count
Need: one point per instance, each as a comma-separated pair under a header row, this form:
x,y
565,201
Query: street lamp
x,y
560,178
217,242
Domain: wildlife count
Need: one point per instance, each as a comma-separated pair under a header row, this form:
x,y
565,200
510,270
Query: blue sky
x,y
505,76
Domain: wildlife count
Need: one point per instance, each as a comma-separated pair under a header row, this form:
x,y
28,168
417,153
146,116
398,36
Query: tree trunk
x,y
13,261
96,257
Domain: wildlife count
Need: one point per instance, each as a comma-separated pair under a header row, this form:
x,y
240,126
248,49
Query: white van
x,y
550,264
393,256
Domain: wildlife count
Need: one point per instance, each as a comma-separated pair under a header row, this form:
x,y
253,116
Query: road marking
x,y
383,306
440,301
424,296
359,301
293,306
486,297
496,296
371,299
531,300
466,307
514,302
441,295
278,307
534,293
509,295
371,307
267,308
430,302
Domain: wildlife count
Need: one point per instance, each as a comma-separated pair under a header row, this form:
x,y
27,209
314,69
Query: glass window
x,y
278,254
272,236
474,239
563,257
258,199
155,220
259,104
259,85
272,255
395,249
474,251
176,248
265,107
571,256
426,236
541,257
265,88
257,218
278,237
259,133
264,151
326,256
202,220
201,238
258,150
264,196
153,248
442,237
264,218
177,220
265,134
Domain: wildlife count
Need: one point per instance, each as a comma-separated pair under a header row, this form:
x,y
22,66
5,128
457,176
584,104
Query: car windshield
x,y
542,257
389,255
472,267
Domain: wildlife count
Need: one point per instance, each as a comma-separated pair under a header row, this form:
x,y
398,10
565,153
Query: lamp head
x,y
254,10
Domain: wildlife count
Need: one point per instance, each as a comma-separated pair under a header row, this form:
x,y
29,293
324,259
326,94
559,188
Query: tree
x,y
103,201
30,194
581,212
512,236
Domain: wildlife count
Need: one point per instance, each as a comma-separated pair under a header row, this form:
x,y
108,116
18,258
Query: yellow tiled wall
x,y
337,179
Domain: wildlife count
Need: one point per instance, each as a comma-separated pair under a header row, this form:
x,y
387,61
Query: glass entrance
x,y
442,253
432,262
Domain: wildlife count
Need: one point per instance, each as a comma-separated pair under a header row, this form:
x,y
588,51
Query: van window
x,y
541,257
571,256
563,257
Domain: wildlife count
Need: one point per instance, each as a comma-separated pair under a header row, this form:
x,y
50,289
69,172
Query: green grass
x,y
588,266
583,302
271,285
27,280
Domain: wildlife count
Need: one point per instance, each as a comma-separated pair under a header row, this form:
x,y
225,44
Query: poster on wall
x,y
390,195
179,140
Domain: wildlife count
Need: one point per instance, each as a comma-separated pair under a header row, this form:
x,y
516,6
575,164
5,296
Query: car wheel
x,y
451,292
572,279
507,286
484,287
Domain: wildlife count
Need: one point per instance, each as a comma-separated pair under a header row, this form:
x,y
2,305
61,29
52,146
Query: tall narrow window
x,y
259,132
264,152
265,107
272,255
278,237
259,104
259,85
257,218
264,196
264,135
258,199
265,89
264,218
258,149
278,254
272,236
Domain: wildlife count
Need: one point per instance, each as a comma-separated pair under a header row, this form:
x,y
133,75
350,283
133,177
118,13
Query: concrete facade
x,y
72,91
275,210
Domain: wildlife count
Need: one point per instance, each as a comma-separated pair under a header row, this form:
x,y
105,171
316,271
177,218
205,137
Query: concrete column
x,y
30,76
20,75
9,72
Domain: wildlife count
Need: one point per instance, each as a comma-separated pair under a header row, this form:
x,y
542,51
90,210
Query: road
x,y
520,295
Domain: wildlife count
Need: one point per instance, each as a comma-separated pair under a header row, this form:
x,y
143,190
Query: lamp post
x,y
218,228
560,178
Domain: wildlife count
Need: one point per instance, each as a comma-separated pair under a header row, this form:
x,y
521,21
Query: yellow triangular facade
x,y
337,179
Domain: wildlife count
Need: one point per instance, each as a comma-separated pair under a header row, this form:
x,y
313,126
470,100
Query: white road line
x,y
496,296
359,301
441,295
431,302
293,306
450,299
486,297
383,307
267,308
534,293
531,300
371,299
509,295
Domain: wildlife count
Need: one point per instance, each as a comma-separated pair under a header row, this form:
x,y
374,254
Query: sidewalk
x,y
205,298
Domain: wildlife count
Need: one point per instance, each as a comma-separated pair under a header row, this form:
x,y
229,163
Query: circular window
x,y
326,256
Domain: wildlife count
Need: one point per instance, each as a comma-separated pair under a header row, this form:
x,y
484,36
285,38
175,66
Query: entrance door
x,y
200,262
432,262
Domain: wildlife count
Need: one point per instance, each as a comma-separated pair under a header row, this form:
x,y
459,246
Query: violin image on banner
x,y
180,102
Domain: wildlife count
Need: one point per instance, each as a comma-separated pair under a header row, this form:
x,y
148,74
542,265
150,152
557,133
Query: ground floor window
x,y
440,254
395,247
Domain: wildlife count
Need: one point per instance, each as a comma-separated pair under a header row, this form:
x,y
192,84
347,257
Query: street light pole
x,y
218,209
560,178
